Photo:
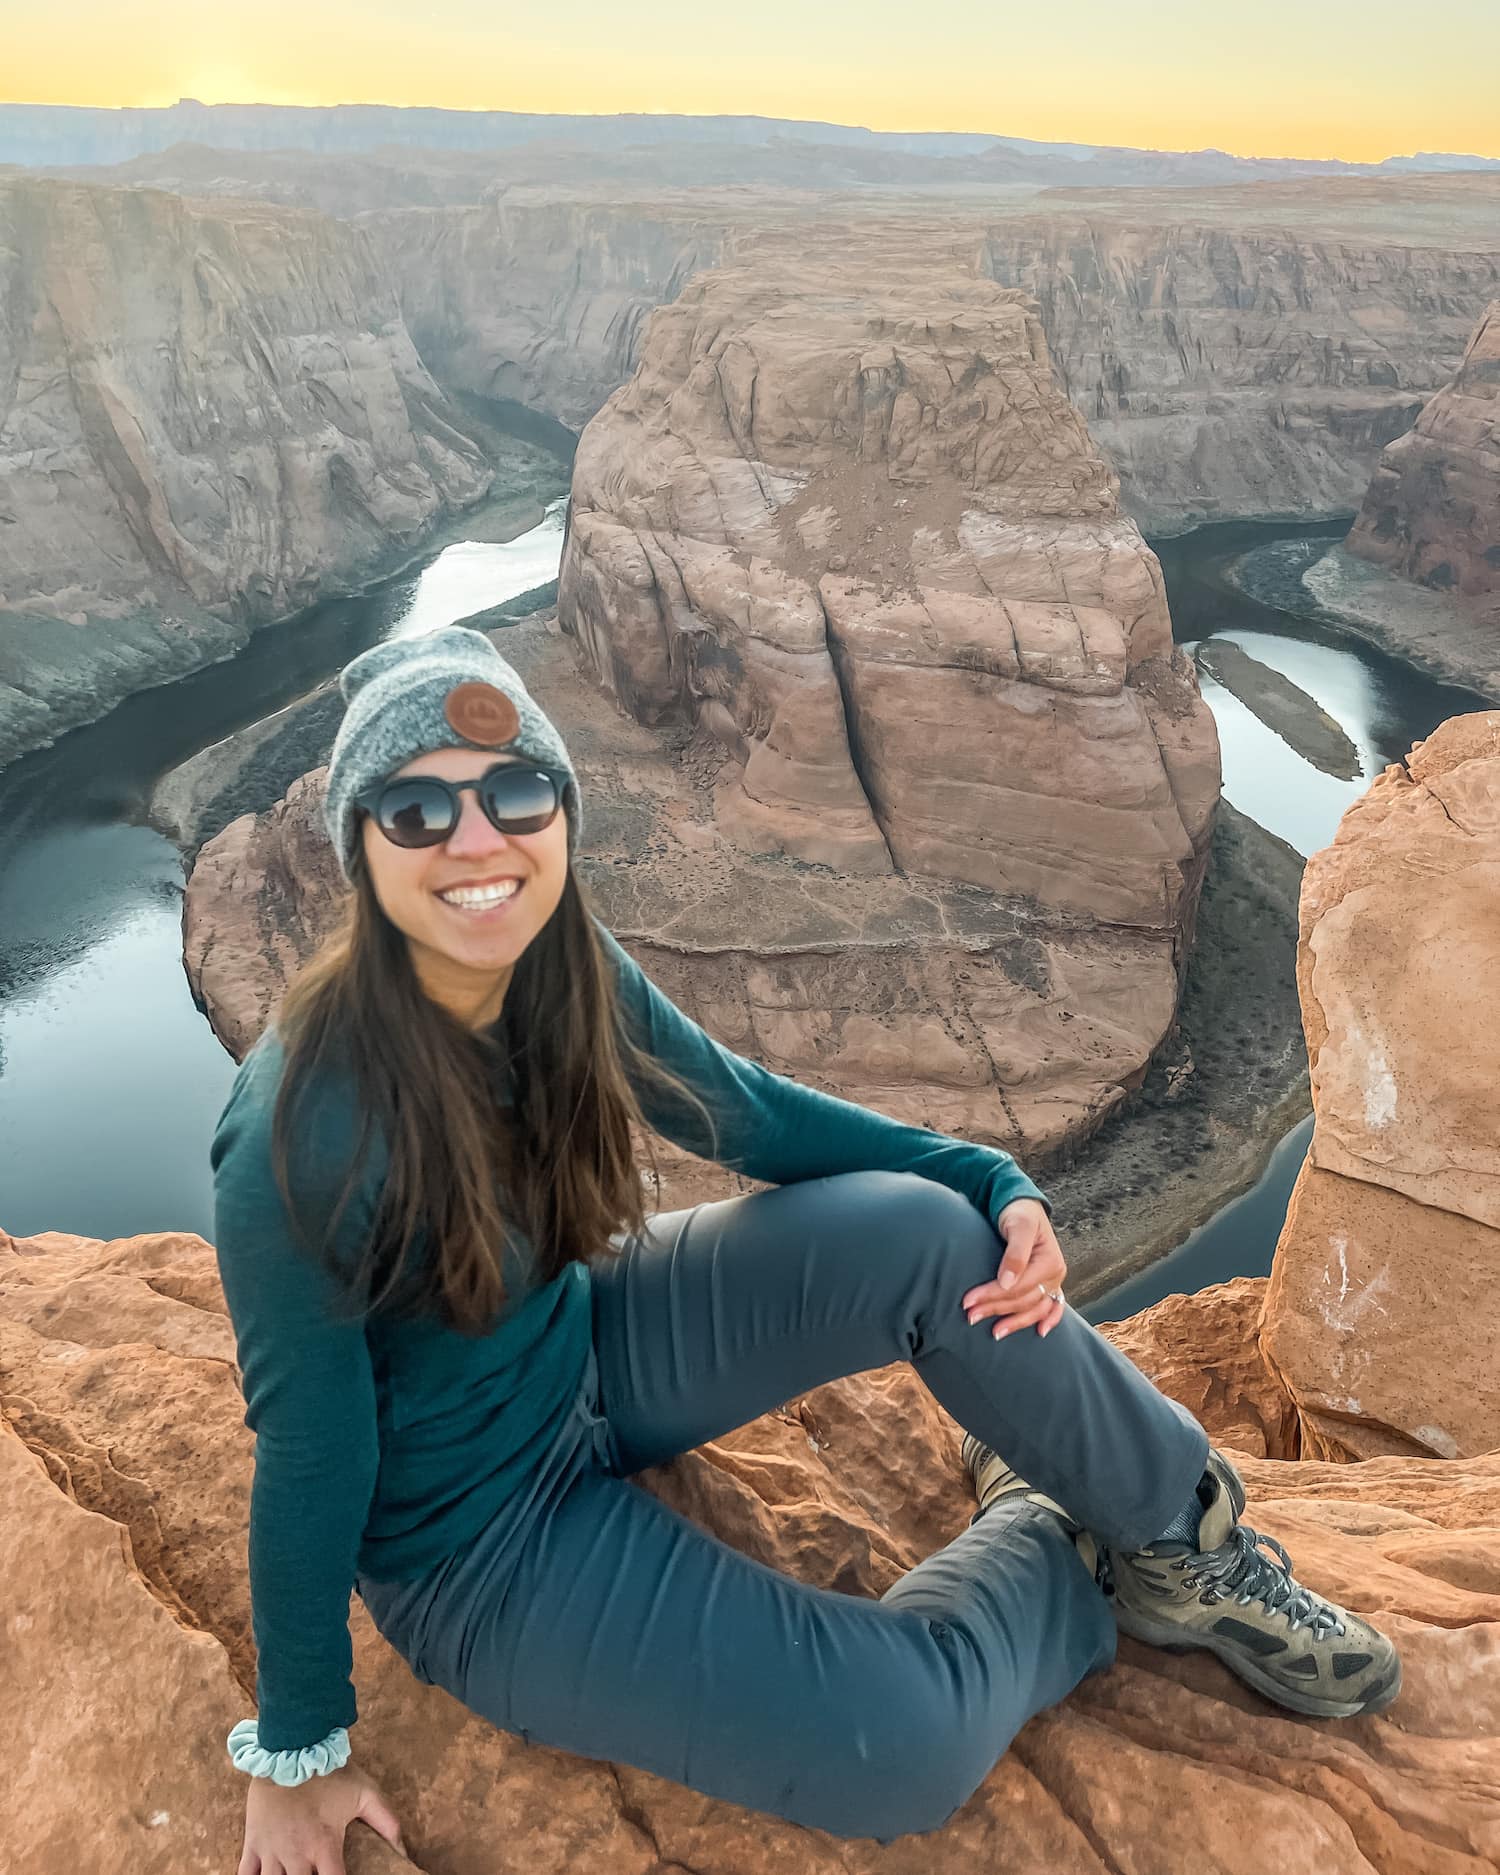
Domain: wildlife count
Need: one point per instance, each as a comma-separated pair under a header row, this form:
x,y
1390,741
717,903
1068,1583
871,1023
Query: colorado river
x,y
110,1077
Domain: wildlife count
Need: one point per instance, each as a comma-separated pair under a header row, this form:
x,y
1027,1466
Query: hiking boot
x,y
995,1480
1288,1643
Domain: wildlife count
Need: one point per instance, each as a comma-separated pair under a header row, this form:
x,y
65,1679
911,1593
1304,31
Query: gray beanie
x,y
400,705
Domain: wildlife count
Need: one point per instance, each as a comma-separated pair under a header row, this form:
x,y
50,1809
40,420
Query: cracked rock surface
x,y
858,535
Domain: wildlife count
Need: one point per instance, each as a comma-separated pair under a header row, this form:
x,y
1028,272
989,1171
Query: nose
x,y
476,834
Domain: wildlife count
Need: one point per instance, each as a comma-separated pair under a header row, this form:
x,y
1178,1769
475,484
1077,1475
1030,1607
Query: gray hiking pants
x,y
594,1618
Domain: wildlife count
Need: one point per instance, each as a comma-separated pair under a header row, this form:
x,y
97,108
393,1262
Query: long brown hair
x,y
559,1166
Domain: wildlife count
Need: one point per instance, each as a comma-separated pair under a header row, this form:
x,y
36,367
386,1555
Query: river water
x,y
110,1077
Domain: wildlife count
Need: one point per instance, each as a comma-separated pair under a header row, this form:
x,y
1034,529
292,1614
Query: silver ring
x,y
1052,1295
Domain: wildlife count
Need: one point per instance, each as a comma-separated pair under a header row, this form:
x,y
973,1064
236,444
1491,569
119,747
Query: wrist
x,y
330,1753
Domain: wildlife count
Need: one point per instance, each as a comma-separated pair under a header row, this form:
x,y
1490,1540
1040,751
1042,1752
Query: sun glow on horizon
x,y
1309,83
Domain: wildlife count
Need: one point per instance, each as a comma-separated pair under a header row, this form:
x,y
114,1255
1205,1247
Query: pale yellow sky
x,y
1357,79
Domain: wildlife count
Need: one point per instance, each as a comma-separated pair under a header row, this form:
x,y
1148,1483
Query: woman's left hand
x,y
1027,1290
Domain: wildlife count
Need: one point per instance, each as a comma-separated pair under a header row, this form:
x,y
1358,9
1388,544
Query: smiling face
x,y
463,954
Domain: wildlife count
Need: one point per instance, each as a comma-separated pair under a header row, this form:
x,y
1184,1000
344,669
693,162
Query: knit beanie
x,y
447,689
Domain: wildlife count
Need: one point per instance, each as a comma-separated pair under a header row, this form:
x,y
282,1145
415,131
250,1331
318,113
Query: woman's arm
x,y
772,1128
310,1401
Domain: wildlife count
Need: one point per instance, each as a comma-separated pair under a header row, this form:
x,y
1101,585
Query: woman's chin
x,y
485,953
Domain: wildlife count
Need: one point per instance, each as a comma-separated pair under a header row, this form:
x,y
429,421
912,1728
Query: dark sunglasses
x,y
423,810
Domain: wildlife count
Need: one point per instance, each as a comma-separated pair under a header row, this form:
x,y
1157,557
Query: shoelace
x,y
1240,1569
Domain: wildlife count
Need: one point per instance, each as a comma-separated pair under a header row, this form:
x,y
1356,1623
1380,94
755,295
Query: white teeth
x,y
481,895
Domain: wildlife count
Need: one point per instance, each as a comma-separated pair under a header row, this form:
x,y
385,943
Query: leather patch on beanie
x,y
481,713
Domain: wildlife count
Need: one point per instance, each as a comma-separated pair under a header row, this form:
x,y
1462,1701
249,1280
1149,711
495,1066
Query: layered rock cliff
x,y
850,535
1381,1314
543,301
1432,510
213,412
1236,353
852,531
1232,371
208,415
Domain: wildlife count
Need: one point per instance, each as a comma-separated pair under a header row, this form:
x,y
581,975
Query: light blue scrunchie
x,y
287,1767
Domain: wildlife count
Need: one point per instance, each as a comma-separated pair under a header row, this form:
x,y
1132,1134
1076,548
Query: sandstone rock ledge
x,y
126,1646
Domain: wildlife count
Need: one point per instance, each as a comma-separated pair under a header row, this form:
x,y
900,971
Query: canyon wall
x,y
1227,366
1233,371
213,411
209,415
210,412
539,301
1432,510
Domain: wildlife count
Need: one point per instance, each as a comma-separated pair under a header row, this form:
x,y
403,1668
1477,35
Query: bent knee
x,y
904,1210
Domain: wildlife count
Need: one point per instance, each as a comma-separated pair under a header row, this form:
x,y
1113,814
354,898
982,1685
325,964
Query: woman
x,y
459,1334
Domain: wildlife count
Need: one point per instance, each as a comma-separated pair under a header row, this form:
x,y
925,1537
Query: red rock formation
x,y
124,1477
1380,1318
857,534
1432,510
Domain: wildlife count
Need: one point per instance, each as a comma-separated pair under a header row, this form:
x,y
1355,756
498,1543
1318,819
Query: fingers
x,y
1037,1309
1030,1317
989,1300
1019,1244
1025,1292
1048,1271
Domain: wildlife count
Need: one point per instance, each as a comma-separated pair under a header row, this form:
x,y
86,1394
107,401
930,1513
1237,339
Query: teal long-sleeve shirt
x,y
382,1444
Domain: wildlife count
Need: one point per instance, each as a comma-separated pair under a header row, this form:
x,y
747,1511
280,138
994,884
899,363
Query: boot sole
x,y
1247,1668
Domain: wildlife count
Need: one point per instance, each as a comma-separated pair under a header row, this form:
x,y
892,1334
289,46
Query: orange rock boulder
x,y
1381,1318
